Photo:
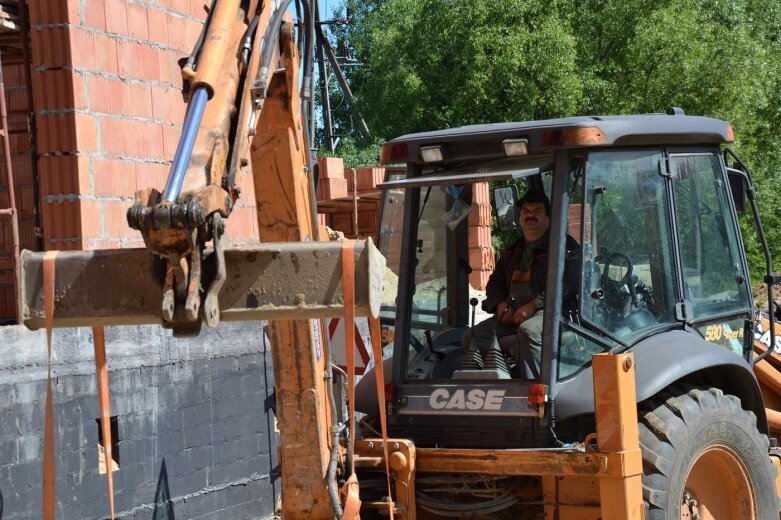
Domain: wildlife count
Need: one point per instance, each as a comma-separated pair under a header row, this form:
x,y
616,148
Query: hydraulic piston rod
x,y
184,150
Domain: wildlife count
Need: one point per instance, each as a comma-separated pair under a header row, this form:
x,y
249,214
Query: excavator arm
x,y
245,108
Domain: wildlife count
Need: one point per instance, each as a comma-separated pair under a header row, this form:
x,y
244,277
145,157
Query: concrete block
x,y
241,448
196,416
9,452
200,436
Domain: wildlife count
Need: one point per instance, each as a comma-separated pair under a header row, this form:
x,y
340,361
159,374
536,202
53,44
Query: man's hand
x,y
504,313
524,312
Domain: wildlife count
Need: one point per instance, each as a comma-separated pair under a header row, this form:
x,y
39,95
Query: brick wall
x,y
109,109
196,440
16,94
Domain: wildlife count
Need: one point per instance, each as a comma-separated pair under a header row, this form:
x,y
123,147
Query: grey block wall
x,y
195,437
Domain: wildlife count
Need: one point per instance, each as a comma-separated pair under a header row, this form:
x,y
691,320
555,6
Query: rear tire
x,y
703,454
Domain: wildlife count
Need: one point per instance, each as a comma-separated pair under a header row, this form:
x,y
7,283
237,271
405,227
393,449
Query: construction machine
x,y
661,284
646,405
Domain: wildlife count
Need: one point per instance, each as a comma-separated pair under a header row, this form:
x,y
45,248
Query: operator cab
x,y
647,200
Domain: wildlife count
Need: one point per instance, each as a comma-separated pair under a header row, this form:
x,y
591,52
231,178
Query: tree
x,y
441,63
437,63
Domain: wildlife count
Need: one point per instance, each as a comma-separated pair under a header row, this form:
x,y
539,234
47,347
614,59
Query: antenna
x,y
588,94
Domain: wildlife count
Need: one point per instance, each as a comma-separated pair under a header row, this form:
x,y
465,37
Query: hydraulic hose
x,y
270,38
333,488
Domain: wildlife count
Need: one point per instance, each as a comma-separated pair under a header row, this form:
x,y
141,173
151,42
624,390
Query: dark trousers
x,y
523,342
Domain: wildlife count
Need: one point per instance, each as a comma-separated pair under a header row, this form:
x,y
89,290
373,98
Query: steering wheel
x,y
619,261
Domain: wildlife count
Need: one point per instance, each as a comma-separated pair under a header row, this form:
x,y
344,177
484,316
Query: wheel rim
x,y
718,488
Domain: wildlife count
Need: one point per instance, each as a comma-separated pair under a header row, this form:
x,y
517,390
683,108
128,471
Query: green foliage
x,y
441,63
355,154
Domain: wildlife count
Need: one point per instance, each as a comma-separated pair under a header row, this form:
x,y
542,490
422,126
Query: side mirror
x,y
737,185
504,207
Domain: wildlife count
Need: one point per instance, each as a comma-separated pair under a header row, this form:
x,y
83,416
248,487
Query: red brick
x,y
86,133
138,60
63,175
331,167
479,279
44,12
93,51
114,177
51,47
479,236
158,25
177,33
242,224
194,29
178,6
368,178
480,214
116,219
367,223
481,258
90,219
170,72
480,192
132,138
137,22
56,133
68,219
137,101
198,8
92,244
12,74
16,100
57,90
116,16
332,189
168,105
25,202
104,94
113,96
95,14
171,136
152,175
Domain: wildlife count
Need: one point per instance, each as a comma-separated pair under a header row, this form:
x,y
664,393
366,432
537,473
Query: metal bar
x,y
9,174
325,98
192,122
348,94
526,462
557,251
615,398
286,280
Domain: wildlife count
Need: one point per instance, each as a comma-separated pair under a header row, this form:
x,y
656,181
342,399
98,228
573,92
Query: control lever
x,y
473,302
510,305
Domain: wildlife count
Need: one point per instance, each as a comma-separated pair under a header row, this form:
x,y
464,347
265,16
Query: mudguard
x,y
663,360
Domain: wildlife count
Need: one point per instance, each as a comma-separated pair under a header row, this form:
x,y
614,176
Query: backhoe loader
x,y
646,405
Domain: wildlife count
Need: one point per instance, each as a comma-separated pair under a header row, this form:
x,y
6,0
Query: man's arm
x,y
496,291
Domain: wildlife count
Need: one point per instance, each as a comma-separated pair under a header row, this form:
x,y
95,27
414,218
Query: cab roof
x,y
545,136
